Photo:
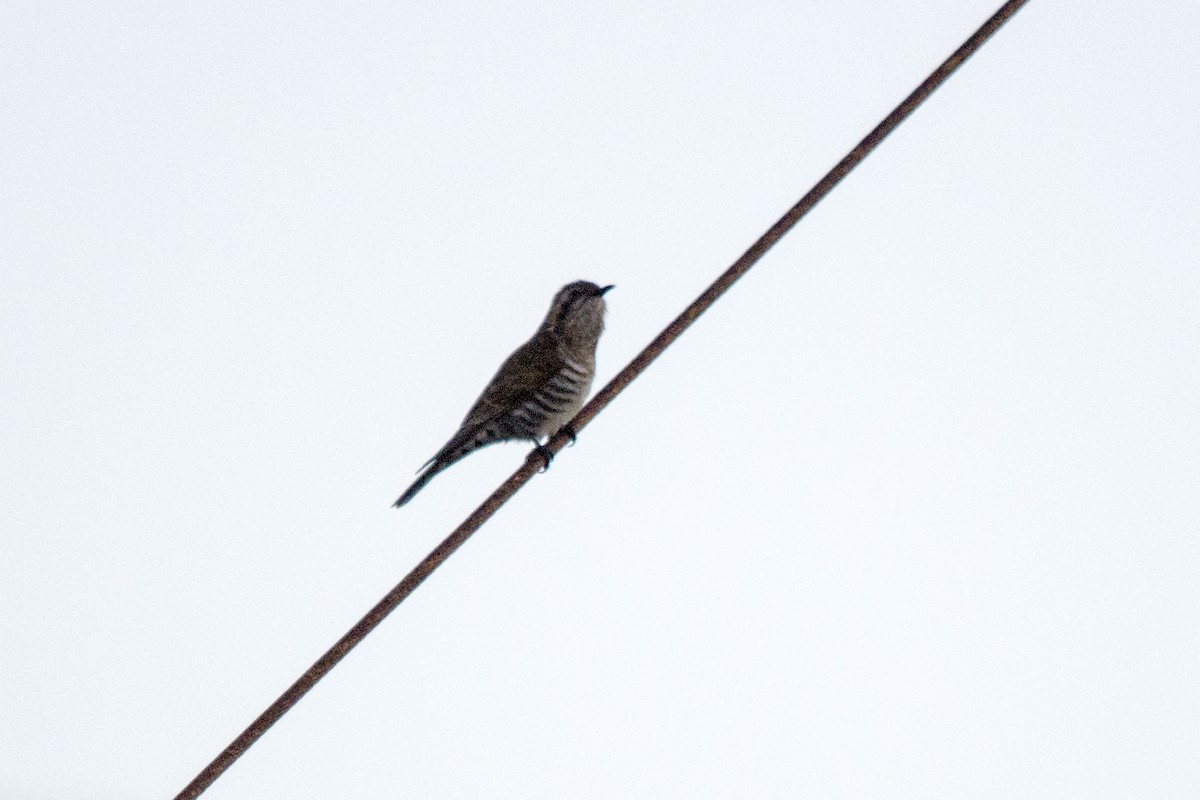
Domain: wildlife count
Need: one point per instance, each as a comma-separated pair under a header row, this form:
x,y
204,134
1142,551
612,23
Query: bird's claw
x,y
546,455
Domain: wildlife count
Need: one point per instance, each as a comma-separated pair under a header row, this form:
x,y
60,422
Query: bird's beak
x,y
604,289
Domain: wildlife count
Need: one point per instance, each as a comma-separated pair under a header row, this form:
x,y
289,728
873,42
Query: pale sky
x,y
913,512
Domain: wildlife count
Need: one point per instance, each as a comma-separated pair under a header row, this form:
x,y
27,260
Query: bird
x,y
537,389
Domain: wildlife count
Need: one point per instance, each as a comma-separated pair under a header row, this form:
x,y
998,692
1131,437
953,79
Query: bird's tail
x,y
462,443
432,468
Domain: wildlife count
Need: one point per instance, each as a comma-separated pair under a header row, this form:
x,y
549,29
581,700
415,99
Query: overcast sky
x,y
913,512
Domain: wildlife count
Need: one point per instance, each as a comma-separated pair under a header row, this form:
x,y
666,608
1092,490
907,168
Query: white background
x,y
912,512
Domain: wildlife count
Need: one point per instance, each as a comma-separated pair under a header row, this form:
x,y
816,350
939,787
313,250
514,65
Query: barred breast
x,y
554,404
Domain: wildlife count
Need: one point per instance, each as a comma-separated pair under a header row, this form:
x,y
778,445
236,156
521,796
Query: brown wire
x,y
605,396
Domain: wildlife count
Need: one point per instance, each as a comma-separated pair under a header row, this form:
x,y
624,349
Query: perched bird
x,y
538,389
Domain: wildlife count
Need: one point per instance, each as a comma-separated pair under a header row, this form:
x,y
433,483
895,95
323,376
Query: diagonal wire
x,y
605,396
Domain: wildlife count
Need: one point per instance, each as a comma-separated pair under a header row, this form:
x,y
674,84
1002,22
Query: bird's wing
x,y
528,369
522,374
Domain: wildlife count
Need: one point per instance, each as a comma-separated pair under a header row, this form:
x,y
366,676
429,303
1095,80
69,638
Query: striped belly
x,y
554,404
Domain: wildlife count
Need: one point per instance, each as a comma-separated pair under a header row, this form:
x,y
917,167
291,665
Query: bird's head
x,y
576,316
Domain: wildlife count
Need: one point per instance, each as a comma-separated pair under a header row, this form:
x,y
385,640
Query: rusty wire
x,y
597,404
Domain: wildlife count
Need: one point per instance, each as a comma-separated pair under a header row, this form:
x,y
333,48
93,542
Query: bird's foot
x,y
546,455
569,430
